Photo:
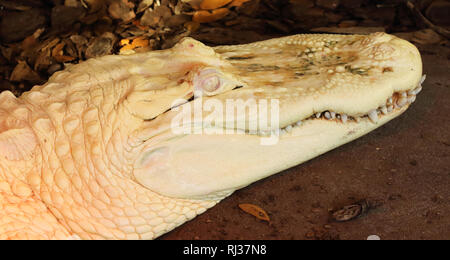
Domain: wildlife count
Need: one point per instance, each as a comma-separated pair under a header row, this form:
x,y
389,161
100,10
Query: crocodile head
x,y
117,165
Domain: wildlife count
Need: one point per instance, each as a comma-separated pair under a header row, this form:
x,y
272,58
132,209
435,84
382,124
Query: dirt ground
x,y
405,164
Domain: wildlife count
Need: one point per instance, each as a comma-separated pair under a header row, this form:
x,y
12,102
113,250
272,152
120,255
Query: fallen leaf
x,y
101,46
16,26
123,10
144,5
124,42
192,26
23,72
32,40
255,211
195,4
238,3
128,45
153,18
13,5
426,36
43,60
58,53
49,44
64,58
213,4
58,50
204,16
29,43
348,213
137,23
93,5
356,210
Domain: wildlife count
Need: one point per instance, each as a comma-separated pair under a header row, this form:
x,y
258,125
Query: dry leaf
x,y
29,43
23,72
356,210
101,46
49,44
238,3
32,40
192,26
208,17
195,4
137,23
58,53
64,58
255,211
139,42
426,36
43,60
144,5
58,50
213,4
123,10
124,42
93,5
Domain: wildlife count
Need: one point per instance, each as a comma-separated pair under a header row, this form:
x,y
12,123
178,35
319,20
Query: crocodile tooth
x,y
373,115
288,128
299,123
390,100
424,77
402,101
318,115
417,90
404,94
344,118
333,115
384,110
327,115
411,99
390,108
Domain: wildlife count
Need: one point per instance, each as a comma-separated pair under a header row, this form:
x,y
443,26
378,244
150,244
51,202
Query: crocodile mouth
x,y
394,103
398,101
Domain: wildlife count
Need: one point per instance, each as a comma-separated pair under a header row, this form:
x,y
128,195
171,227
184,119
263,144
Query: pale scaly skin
x,y
90,154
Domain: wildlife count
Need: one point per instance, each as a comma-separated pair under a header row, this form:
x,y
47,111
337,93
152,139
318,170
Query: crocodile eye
x,y
210,84
212,81
208,81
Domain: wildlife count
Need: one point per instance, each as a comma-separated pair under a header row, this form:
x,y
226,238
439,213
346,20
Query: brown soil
x,y
404,164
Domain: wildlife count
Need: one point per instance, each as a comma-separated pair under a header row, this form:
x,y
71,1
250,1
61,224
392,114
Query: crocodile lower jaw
x,y
266,156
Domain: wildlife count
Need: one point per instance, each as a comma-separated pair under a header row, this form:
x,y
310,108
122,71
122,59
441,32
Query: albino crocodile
x,y
91,154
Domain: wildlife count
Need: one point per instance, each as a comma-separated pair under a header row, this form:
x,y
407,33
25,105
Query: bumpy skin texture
x,y
77,155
